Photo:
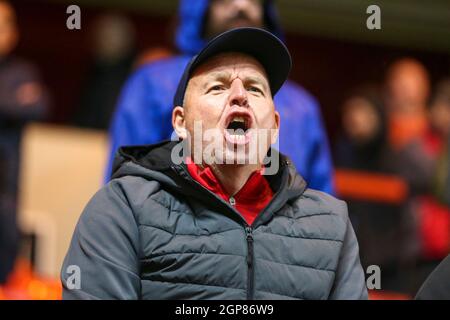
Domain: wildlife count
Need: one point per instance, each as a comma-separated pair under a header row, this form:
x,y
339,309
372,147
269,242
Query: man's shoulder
x,y
119,203
133,189
314,202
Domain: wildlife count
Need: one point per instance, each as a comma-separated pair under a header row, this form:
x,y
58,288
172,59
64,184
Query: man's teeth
x,y
239,119
237,138
237,132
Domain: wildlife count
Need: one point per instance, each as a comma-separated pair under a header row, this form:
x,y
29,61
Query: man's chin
x,y
239,155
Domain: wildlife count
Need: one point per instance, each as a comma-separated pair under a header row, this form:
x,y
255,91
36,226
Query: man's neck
x,y
233,177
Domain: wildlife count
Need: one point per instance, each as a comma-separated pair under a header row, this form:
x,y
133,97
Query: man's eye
x,y
255,89
216,88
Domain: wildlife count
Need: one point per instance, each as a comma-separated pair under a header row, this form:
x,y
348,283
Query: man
x,y
112,55
145,106
216,225
22,99
407,93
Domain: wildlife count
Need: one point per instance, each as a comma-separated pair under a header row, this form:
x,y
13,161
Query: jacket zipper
x,y
250,262
250,255
249,238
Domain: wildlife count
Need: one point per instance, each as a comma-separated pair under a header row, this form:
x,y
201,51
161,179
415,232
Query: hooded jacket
x,y
153,232
143,114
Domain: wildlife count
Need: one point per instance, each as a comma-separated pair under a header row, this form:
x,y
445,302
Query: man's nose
x,y
238,94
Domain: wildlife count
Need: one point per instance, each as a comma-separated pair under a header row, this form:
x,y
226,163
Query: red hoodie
x,y
253,197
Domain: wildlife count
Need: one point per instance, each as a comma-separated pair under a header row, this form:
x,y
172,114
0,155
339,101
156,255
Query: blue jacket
x,y
143,115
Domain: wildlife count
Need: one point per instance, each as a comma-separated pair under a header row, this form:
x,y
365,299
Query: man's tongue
x,y
237,124
236,131
236,136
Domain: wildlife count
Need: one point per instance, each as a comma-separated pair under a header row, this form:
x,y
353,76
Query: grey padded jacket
x,y
153,232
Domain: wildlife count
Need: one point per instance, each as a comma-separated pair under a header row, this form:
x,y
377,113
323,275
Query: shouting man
x,y
220,214
144,108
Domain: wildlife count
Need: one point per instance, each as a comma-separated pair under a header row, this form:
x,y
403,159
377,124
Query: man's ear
x,y
178,122
274,134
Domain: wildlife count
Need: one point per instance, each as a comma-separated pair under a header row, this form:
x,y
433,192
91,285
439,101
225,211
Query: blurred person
x,y
151,55
437,286
407,93
440,110
22,99
440,141
113,50
434,212
199,229
386,232
407,97
364,123
144,109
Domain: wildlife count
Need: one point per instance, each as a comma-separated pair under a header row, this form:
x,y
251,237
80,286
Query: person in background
x,y
144,110
434,210
385,231
440,140
22,99
412,134
363,142
407,93
437,286
113,50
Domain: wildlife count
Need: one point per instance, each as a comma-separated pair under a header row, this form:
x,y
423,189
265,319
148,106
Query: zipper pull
x,y
248,232
232,201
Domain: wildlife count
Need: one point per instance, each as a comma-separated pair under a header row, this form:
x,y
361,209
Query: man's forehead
x,y
230,62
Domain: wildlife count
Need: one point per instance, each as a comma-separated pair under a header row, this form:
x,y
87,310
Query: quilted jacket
x,y
153,232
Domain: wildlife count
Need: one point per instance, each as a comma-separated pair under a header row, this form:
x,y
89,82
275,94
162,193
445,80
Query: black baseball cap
x,y
258,43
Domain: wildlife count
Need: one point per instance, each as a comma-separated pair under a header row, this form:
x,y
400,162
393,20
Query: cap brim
x,y
258,43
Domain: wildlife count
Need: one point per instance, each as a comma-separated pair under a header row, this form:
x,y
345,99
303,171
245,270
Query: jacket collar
x,y
192,16
153,162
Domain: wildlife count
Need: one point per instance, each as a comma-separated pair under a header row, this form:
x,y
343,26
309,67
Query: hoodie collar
x,y
249,201
153,162
192,15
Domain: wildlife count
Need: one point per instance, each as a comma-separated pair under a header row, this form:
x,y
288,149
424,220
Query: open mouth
x,y
238,125
237,131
